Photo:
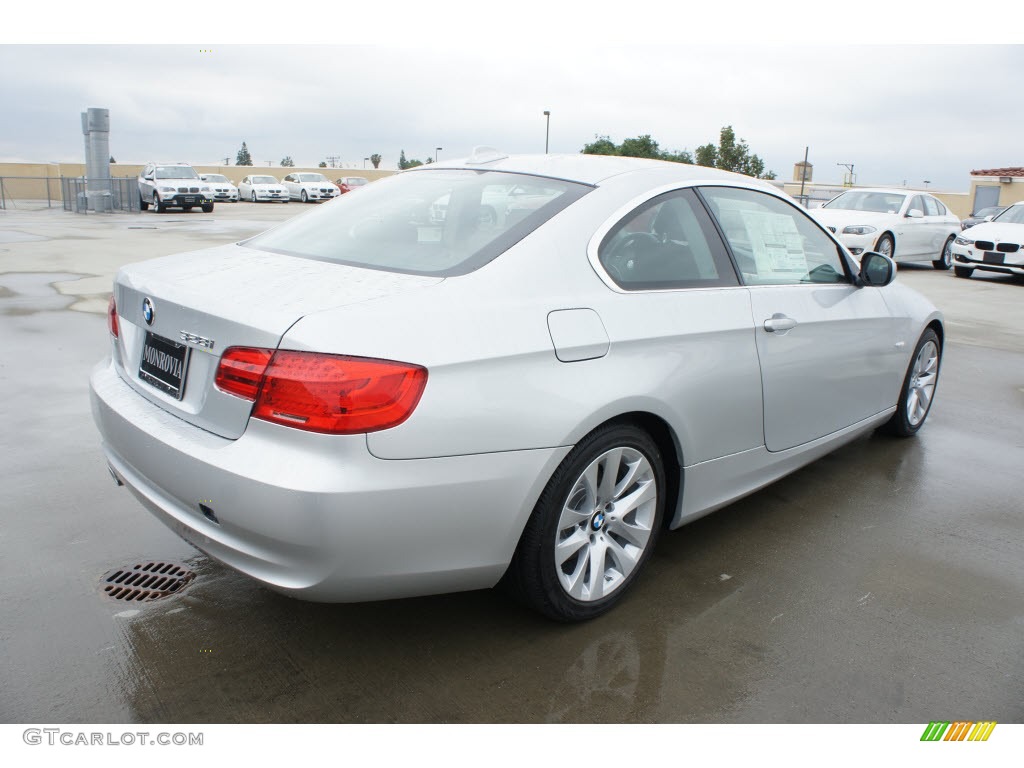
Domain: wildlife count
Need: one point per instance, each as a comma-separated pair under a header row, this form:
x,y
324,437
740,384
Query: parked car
x,y
906,226
259,188
221,187
985,214
173,185
363,404
992,246
350,183
309,187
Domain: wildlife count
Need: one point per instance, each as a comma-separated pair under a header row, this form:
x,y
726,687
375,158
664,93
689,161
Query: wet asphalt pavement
x,y
883,583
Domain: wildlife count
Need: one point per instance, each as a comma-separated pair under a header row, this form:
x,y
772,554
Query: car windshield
x,y
264,180
432,222
176,172
875,202
1012,215
312,177
993,211
216,177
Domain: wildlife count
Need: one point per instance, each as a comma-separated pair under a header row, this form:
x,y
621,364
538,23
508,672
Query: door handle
x,y
779,322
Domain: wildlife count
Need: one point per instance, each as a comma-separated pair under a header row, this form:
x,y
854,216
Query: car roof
x,y
587,169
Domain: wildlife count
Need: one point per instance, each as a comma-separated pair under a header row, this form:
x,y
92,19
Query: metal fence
x,y
74,193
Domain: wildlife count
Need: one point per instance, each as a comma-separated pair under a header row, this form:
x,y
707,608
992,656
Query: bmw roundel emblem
x,y
598,521
147,311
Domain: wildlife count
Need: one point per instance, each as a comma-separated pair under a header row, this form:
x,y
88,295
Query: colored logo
x,y
147,311
958,731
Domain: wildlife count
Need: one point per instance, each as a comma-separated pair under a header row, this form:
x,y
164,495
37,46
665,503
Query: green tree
x,y
323,164
601,145
375,159
243,157
287,162
641,146
112,160
732,155
402,162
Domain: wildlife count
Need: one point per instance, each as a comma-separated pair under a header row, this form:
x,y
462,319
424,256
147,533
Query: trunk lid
x,y
202,302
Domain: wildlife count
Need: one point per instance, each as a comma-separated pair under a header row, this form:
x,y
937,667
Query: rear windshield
x,y
875,202
434,222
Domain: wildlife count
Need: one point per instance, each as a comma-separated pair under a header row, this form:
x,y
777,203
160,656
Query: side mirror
x,y
876,269
148,177
914,214
989,218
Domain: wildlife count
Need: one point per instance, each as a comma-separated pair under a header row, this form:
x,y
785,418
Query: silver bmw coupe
x,y
499,369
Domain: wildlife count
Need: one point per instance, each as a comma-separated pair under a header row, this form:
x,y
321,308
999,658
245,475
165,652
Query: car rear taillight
x,y
112,325
334,394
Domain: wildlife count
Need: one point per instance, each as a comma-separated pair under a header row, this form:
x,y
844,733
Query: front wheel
x,y
254,196
945,260
593,527
207,207
963,271
143,205
918,387
305,197
886,245
157,205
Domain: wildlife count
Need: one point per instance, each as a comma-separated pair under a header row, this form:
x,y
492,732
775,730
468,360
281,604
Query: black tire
x,y
945,260
534,577
963,271
157,205
207,207
254,195
900,424
886,245
305,197
143,205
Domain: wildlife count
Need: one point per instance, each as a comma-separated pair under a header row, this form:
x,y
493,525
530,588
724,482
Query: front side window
x,y
430,222
917,204
773,242
666,243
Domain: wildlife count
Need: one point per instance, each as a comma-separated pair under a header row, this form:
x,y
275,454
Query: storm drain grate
x,y
146,581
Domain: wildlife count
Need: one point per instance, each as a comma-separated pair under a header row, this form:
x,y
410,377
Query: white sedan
x,y
994,246
901,224
221,188
258,188
309,187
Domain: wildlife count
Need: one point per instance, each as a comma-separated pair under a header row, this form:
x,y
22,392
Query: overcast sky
x,y
899,113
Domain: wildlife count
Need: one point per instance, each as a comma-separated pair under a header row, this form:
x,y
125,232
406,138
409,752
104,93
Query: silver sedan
x,y
369,402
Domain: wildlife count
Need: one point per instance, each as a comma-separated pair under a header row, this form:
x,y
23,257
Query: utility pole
x,y
850,176
803,177
547,129
333,160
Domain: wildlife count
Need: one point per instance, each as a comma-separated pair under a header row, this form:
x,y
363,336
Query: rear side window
x,y
668,242
773,242
432,222
931,207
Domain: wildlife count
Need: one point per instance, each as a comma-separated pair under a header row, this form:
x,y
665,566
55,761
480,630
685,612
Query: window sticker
x,y
776,243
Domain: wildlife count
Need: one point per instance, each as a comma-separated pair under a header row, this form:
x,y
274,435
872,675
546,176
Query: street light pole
x,y
438,149
364,162
547,129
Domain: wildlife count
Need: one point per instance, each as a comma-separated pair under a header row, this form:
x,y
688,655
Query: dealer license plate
x,y
163,365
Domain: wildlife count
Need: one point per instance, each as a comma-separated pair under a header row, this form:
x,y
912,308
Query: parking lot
x,y
879,584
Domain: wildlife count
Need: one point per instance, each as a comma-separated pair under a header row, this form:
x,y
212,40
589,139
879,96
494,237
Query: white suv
x,y
173,185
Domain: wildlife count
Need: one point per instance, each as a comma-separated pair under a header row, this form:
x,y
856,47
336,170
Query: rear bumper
x,y
317,516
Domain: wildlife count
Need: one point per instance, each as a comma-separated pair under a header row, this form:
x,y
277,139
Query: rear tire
x,y
945,260
963,271
918,391
593,527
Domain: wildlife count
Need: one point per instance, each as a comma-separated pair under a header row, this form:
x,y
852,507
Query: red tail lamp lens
x,y
112,326
335,394
241,371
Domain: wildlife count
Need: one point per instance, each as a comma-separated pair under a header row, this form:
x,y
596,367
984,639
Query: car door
x,y
243,188
682,315
916,232
826,347
146,183
290,186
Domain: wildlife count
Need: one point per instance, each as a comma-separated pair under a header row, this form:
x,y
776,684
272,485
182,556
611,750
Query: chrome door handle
x,y
779,322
